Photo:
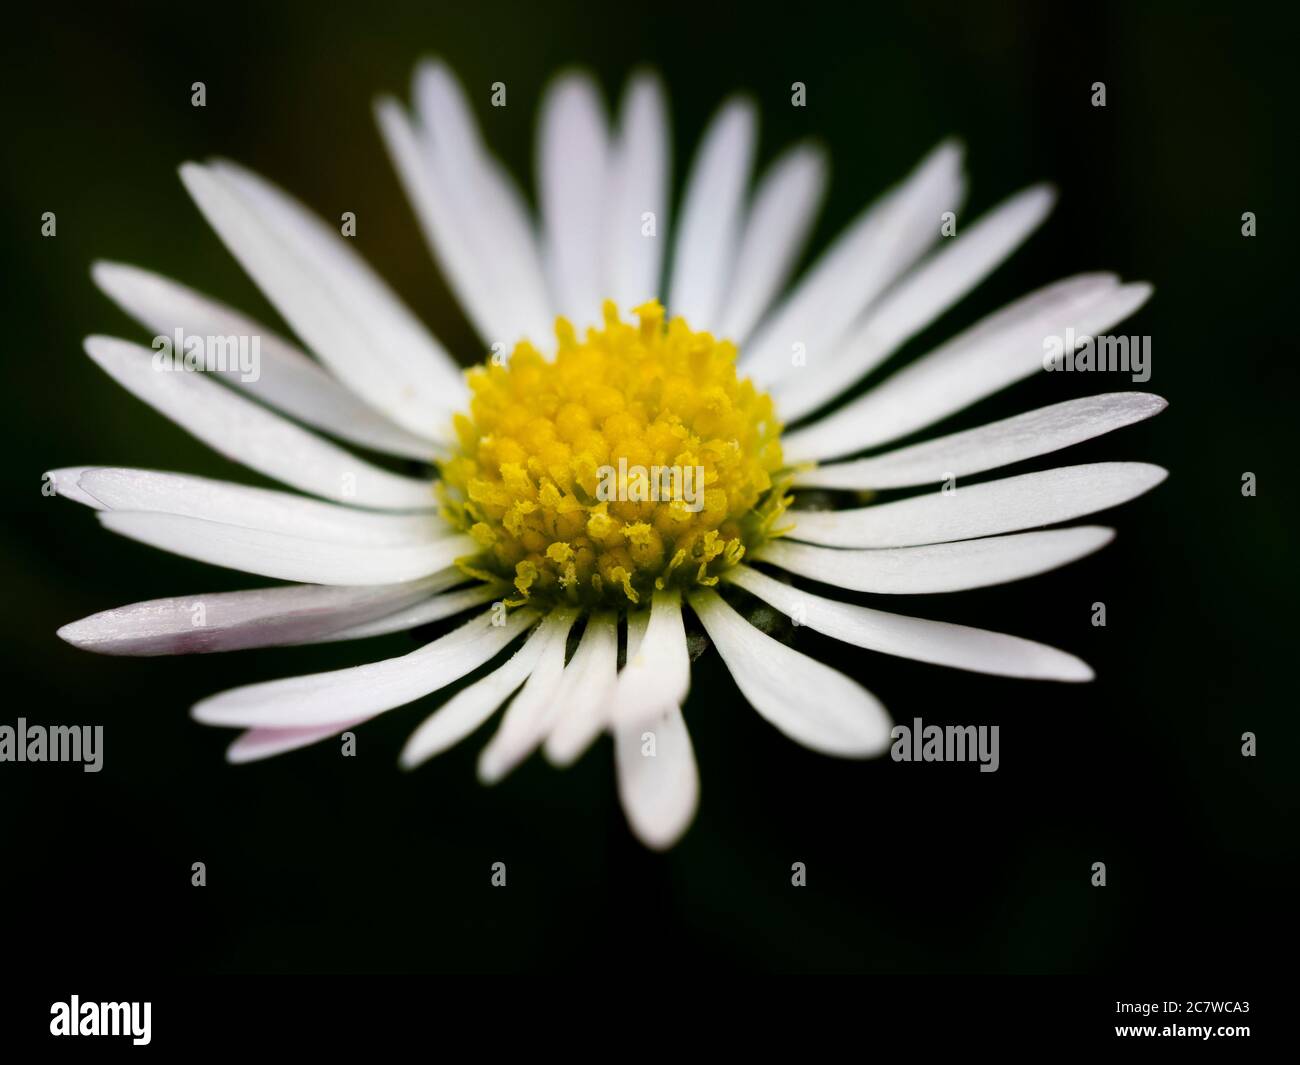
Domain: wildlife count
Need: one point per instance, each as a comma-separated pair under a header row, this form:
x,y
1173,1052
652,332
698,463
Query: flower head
x,y
586,496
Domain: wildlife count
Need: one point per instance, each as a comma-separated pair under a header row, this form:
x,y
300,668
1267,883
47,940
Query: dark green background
x,y
321,863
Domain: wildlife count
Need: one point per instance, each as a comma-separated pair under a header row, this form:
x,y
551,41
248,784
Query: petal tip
x,y
239,754
191,172
1141,291
488,770
952,146
104,272
101,348
412,755
202,713
73,633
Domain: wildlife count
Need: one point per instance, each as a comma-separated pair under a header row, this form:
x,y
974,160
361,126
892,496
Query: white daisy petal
x,y
286,379
1006,505
362,692
658,784
445,230
248,433
659,791
446,114
951,567
66,483
777,225
118,488
260,743
572,168
886,239
284,556
488,204
917,300
638,186
937,642
811,703
425,612
330,297
988,447
530,713
469,708
397,338
635,624
997,351
583,699
704,252
231,621
657,673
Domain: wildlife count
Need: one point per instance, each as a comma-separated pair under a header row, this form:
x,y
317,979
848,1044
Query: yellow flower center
x,y
635,460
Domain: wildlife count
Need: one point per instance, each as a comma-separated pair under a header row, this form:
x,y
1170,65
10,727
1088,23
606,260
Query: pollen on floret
x,y
636,459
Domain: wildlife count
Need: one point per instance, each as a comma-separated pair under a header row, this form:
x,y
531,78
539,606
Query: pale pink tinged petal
x,y
248,433
936,642
658,672
425,612
988,447
640,161
876,249
708,232
997,351
951,567
260,743
585,697
811,703
917,300
987,509
776,228
530,714
122,489
363,691
469,708
283,378
494,217
658,783
573,174
230,621
286,557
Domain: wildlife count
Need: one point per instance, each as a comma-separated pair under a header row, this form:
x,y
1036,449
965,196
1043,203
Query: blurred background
x,y
317,862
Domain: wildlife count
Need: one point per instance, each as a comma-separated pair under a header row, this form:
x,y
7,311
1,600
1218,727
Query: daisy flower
x,y
605,350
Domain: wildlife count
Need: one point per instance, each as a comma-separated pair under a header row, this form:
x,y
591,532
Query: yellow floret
x,y
636,459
